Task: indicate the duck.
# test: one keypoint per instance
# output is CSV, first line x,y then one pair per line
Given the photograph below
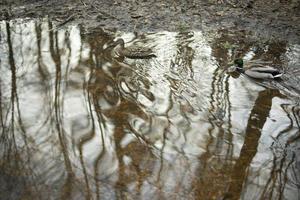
x,y
255,70
118,50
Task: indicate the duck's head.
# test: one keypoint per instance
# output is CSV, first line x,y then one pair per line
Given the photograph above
x,y
236,65
119,43
239,63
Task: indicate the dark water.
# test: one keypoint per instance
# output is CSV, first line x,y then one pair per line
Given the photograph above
x,y
77,124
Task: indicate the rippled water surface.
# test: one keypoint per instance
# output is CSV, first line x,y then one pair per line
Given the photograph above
x,y
79,124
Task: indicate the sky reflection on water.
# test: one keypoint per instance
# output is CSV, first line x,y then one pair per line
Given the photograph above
x,y
77,124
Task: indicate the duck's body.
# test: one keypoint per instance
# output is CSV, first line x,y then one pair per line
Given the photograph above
x,y
119,50
257,70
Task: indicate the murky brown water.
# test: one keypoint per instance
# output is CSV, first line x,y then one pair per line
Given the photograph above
x,y
77,124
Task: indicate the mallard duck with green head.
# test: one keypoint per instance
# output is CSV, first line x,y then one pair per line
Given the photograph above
x,y
118,50
258,70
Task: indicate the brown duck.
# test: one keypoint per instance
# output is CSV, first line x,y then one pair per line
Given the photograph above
x,y
118,50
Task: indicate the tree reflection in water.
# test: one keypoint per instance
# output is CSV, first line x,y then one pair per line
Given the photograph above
x,y
78,124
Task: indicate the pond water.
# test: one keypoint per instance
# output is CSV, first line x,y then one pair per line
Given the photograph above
x,y
78,124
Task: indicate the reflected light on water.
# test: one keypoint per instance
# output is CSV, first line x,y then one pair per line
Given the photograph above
x,y
78,124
